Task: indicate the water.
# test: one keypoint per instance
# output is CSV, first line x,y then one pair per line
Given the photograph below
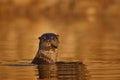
x,y
89,34
58,71
96,48
63,71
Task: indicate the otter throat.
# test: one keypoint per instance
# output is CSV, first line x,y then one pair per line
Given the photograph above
x,y
49,56
45,57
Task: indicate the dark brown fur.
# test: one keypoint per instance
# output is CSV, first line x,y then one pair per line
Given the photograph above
x,y
47,52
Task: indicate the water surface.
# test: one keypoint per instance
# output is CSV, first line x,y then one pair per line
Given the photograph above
x,y
89,33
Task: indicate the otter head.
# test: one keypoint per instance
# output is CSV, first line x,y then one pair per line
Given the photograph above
x,y
47,52
48,41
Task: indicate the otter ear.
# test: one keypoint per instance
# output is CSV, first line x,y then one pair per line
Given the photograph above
x,y
39,37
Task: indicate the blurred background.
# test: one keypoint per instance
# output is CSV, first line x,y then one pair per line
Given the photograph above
x,y
88,31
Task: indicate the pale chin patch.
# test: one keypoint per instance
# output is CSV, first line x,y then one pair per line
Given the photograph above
x,y
49,56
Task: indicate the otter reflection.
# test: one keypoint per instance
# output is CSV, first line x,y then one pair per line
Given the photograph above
x,y
63,71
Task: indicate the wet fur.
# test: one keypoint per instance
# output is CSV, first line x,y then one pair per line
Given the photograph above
x,y
47,52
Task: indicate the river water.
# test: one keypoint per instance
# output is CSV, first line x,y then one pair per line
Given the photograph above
x,y
95,44
89,40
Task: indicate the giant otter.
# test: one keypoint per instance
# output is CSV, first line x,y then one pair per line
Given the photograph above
x,y
47,52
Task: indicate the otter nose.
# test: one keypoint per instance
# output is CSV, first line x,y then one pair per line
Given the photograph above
x,y
48,40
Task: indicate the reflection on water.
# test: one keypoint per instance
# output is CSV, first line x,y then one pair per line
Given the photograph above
x,y
63,71
58,71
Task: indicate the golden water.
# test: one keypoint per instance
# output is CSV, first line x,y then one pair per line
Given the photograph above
x,y
89,33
